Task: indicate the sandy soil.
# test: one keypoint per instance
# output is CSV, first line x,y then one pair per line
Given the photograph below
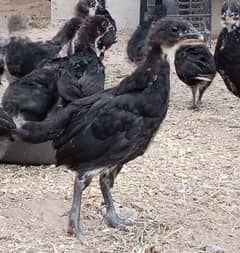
x,y
38,11
184,193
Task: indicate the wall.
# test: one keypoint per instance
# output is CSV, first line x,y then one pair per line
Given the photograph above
x,y
216,12
125,12
61,10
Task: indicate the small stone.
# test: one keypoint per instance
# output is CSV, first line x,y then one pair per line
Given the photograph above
x,y
213,248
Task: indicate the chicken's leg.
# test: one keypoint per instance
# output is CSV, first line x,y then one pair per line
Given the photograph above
x,y
202,89
80,185
194,91
111,217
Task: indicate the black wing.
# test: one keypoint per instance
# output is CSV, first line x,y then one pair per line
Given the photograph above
x,y
6,123
106,134
136,44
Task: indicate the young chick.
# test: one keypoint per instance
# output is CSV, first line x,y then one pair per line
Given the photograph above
x,y
84,73
195,66
98,7
97,135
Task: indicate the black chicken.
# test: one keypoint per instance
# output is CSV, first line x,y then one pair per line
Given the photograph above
x,y
227,52
195,66
83,73
33,96
100,133
98,7
136,44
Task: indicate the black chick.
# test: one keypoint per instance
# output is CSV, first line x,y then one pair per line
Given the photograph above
x,y
100,133
84,73
32,97
98,7
22,55
136,44
227,52
195,66
6,127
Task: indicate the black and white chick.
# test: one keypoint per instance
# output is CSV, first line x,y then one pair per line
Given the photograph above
x,y
110,37
195,67
81,74
136,44
227,52
97,135
98,7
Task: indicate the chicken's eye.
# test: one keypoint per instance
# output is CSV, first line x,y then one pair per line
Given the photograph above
x,y
175,29
104,24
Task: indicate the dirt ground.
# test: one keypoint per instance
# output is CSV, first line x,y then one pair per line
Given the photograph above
x,y
37,11
184,193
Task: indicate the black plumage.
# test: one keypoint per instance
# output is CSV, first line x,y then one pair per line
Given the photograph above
x,y
227,52
23,55
31,97
136,44
84,73
195,66
1,69
6,127
100,133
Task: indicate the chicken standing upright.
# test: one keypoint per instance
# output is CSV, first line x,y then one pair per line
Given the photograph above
x,y
195,66
97,135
